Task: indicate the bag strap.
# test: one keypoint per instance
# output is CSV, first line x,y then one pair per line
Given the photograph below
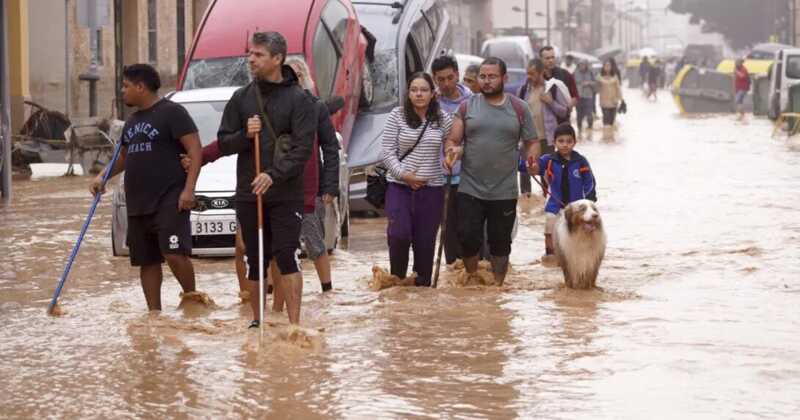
x,y
264,115
408,152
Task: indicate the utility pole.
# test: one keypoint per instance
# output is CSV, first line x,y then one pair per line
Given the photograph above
x,y
548,22
527,26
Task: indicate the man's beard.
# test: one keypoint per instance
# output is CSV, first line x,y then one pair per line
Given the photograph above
x,y
493,92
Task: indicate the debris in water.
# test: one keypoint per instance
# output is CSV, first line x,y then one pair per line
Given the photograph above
x,y
57,311
299,336
381,279
482,277
199,297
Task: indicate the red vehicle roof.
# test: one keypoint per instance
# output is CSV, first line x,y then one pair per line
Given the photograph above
x,y
218,36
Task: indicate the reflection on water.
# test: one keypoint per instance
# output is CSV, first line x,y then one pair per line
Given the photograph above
x,y
697,316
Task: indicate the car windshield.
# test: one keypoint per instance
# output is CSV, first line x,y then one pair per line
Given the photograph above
x,y
507,51
206,116
378,21
219,72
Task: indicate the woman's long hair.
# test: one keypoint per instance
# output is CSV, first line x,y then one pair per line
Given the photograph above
x,y
412,119
612,72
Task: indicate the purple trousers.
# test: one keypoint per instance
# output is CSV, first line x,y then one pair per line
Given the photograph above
x,y
413,221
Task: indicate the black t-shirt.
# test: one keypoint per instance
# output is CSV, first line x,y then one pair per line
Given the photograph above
x,y
152,165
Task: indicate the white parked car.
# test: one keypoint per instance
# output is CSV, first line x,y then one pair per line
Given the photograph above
x,y
214,222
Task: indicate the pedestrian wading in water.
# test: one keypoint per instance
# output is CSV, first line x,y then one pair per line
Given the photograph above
x,y
412,150
286,140
485,136
569,178
159,193
610,92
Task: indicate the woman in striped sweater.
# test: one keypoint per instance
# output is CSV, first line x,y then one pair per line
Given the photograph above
x,y
412,153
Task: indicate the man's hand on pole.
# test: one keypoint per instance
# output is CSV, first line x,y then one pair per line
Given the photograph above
x,y
261,183
253,126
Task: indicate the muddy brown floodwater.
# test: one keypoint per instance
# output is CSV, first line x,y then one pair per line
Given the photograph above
x,y
698,316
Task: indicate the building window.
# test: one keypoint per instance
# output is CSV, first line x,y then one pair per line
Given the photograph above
x,y
98,46
181,33
152,24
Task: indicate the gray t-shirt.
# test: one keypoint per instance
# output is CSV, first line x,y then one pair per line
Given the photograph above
x,y
491,148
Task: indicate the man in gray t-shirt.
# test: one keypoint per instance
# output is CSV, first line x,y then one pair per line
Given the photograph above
x,y
485,135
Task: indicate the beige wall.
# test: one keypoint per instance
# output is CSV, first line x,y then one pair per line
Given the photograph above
x,y
46,32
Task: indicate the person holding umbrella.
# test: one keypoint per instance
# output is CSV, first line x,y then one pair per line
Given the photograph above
x,y
274,111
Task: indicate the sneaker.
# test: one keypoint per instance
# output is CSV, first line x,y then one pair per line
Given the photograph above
x,y
254,324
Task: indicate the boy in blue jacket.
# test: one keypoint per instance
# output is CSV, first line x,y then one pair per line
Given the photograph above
x,y
568,177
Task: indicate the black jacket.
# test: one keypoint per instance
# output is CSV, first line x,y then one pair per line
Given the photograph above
x,y
329,144
291,112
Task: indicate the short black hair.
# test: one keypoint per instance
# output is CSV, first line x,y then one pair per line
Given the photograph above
x,y
564,129
494,61
273,41
443,62
473,68
144,74
546,48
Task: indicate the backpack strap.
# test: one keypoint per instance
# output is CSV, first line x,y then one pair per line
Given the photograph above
x,y
519,109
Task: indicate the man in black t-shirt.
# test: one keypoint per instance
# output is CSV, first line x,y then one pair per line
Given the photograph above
x,y
292,118
158,192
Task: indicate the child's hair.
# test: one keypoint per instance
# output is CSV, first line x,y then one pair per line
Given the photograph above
x,y
564,129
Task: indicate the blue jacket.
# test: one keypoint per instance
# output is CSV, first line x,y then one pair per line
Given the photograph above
x,y
571,178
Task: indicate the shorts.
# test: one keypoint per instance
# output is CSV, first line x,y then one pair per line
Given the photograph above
x,y
549,223
499,217
167,231
312,231
740,96
282,225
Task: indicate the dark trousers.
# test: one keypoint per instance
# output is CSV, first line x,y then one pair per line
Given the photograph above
x,y
413,221
585,112
499,217
452,248
609,115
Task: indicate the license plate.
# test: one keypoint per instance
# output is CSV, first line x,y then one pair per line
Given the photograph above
x,y
213,226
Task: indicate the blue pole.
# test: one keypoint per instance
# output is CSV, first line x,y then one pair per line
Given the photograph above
x,y
83,230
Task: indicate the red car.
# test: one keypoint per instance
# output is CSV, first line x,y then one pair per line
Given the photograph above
x,y
326,34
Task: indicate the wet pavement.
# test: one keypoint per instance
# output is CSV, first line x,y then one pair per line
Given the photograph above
x,y
696,316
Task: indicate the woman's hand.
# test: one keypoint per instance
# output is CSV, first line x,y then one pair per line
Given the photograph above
x,y
413,180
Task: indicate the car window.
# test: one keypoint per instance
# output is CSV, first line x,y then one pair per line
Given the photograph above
x,y
423,39
216,72
206,116
326,61
335,16
509,52
793,66
379,20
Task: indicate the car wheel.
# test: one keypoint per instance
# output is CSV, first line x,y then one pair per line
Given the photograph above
x,y
367,87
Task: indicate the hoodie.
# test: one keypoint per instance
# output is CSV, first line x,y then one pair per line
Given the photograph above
x,y
291,112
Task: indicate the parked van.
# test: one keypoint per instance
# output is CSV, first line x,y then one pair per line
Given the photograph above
x,y
408,37
516,52
326,34
784,74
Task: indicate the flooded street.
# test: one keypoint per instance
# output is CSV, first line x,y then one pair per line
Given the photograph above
x,y
697,316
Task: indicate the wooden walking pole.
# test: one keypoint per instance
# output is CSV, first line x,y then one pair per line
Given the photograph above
x,y
259,209
443,229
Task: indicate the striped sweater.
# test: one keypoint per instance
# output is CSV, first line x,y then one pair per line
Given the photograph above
x,y
426,159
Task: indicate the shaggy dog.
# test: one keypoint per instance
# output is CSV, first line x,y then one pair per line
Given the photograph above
x,y
580,243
